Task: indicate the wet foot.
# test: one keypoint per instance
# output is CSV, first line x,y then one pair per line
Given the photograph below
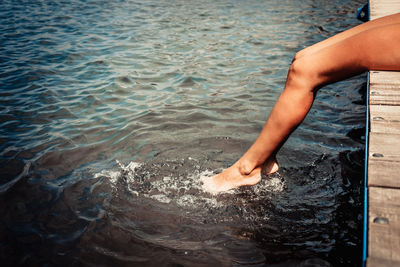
x,y
236,176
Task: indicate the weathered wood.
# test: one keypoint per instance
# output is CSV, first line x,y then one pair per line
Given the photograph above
x,y
384,88
385,119
380,8
384,157
384,160
384,77
384,223
378,262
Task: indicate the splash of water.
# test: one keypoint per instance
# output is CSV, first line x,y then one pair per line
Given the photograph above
x,y
180,183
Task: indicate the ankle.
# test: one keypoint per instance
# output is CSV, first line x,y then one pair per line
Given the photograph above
x,y
245,167
270,166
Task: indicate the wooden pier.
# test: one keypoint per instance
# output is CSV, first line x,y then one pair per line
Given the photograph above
x,y
384,157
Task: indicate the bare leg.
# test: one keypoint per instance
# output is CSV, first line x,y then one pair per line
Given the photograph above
x,y
384,21
374,48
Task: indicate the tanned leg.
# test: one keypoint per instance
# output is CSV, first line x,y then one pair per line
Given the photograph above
x,y
375,48
384,21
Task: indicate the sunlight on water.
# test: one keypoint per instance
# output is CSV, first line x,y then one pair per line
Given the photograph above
x,y
111,113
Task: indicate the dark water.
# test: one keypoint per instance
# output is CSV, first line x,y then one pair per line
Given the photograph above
x,y
111,111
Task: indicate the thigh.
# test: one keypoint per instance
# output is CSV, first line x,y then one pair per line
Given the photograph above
x,y
374,49
382,48
384,21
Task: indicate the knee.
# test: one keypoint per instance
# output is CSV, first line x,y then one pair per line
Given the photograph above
x,y
300,54
302,73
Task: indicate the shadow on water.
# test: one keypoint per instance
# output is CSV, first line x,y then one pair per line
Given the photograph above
x,y
174,90
156,213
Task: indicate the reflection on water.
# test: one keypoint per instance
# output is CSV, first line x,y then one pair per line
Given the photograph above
x,y
111,111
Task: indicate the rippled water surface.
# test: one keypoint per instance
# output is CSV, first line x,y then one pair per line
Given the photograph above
x,y
111,111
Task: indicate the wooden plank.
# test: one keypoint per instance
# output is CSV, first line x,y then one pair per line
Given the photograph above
x,y
385,119
384,223
384,77
384,160
380,8
384,88
378,262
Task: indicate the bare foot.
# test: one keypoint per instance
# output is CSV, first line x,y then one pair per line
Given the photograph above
x,y
237,175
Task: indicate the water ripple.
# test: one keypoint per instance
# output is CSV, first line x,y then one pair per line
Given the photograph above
x,y
183,88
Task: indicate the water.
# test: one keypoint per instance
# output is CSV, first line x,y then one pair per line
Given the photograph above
x,y
111,111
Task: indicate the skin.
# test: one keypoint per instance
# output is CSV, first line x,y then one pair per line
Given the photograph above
x,y
370,46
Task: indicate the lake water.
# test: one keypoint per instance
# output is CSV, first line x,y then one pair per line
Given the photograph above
x,y
111,111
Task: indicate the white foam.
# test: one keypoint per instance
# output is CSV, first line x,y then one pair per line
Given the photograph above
x,y
275,184
131,167
114,175
161,198
183,191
